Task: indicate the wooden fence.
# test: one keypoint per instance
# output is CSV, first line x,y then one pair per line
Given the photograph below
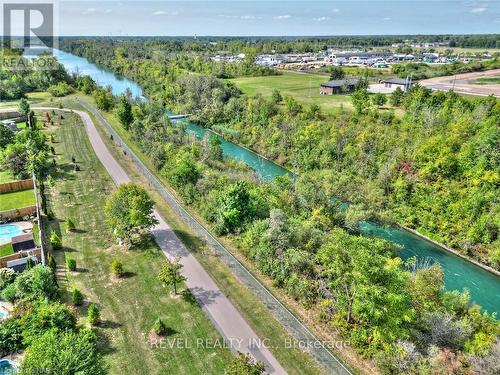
x,y
17,213
9,187
9,115
20,255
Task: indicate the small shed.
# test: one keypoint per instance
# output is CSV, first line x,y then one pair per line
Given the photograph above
x,y
338,86
393,83
23,242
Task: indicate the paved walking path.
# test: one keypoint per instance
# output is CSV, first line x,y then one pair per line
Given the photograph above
x,y
228,321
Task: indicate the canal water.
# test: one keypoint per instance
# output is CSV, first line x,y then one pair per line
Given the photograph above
x,y
484,286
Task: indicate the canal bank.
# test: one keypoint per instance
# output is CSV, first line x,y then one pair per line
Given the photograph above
x,y
459,273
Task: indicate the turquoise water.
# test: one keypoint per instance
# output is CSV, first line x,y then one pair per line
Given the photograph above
x,y
7,231
3,314
7,368
484,286
103,77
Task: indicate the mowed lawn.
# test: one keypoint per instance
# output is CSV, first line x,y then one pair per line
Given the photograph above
x,y
17,199
303,87
131,305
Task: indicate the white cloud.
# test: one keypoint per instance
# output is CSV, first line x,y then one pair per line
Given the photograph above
x,y
90,10
284,17
321,19
336,10
478,10
165,13
387,18
247,17
108,11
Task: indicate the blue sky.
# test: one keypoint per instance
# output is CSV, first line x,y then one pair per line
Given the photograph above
x,y
293,17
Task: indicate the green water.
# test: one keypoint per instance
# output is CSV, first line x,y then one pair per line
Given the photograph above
x,y
484,286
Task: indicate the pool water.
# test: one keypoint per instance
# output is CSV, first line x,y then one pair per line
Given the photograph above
x,y
7,368
7,231
3,314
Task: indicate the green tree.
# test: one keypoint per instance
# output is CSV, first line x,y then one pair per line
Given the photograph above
x,y
397,97
36,283
6,136
93,314
159,327
360,100
379,99
77,297
336,72
276,96
103,99
170,274
24,107
370,290
233,208
129,211
124,111
243,364
215,147
117,268
71,264
44,317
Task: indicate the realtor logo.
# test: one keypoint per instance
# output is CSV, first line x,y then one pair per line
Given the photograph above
x,y
29,25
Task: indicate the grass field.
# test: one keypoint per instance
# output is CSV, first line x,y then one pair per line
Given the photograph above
x,y
303,87
265,325
487,81
5,176
6,249
129,306
17,199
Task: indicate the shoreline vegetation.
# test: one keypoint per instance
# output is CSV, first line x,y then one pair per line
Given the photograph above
x,y
292,233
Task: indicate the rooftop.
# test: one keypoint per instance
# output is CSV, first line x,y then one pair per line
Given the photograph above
x,y
341,82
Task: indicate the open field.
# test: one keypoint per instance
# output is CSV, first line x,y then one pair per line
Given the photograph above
x,y
17,199
303,87
130,305
464,83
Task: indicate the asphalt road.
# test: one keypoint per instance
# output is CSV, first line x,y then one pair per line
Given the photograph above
x,y
228,321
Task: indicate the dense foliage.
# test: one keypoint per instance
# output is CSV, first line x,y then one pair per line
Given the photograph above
x,y
434,168
19,75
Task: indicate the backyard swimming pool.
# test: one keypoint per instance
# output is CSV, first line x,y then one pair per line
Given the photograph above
x,y
7,231
7,368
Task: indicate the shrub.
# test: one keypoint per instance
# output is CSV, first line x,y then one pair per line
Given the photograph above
x,y
70,225
159,327
71,264
47,316
93,314
9,293
11,339
77,297
117,268
55,241
36,283
52,263
7,276
69,352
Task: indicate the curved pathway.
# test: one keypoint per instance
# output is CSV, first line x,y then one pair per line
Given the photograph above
x,y
228,321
